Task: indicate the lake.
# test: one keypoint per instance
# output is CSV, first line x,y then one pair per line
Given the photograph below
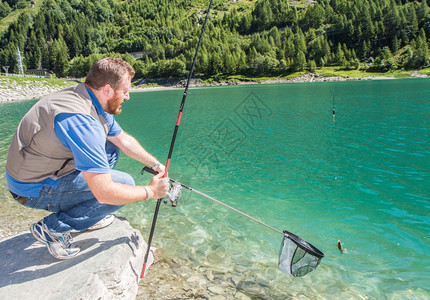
x,y
277,153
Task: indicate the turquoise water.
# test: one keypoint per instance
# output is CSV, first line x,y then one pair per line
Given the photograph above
x,y
275,153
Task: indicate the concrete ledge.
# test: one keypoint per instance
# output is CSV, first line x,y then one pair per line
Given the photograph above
x,y
108,266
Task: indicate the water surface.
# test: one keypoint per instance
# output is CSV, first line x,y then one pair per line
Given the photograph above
x,y
275,153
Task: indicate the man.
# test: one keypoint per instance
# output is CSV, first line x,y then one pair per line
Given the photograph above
x,y
62,156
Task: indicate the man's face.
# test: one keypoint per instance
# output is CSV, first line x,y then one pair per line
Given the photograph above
x,y
120,95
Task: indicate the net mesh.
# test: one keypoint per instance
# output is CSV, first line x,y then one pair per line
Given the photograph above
x,y
296,256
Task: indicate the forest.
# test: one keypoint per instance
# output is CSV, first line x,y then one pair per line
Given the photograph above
x,y
253,38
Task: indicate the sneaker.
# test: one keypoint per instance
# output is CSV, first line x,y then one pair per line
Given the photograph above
x,y
106,221
59,244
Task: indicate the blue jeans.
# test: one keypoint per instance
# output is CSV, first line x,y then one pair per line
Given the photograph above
x,y
72,203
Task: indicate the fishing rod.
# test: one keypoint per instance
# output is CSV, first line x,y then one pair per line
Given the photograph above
x,y
172,143
297,257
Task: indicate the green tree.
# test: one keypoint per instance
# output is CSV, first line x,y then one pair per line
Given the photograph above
x,y
262,15
202,61
245,23
175,68
395,45
276,37
215,64
139,67
300,42
300,61
314,16
420,56
312,66
34,56
229,63
318,48
73,40
423,12
388,60
60,57
339,57
288,45
242,66
4,9
8,57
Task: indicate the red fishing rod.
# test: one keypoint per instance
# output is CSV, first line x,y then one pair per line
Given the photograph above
x,y
172,144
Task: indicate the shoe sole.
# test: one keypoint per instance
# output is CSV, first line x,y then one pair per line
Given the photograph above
x,y
36,235
111,219
39,239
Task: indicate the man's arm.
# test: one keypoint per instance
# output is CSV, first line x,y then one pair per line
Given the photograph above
x,y
132,148
106,191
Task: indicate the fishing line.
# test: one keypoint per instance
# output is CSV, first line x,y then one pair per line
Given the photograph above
x,y
334,110
172,144
149,170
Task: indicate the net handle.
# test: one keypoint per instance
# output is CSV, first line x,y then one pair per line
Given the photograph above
x,y
149,170
296,239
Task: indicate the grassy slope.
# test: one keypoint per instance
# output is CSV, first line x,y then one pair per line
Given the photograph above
x,y
326,72
9,81
333,71
6,21
5,81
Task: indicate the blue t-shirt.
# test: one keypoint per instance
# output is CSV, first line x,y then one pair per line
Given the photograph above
x,y
85,137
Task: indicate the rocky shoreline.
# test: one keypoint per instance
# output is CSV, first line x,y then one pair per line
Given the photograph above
x,y
106,268
11,90
29,89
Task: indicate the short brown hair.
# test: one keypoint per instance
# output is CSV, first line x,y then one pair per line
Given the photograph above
x,y
108,70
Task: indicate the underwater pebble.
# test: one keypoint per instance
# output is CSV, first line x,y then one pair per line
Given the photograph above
x,y
216,290
241,296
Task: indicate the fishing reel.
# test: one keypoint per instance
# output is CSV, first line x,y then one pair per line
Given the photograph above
x,y
174,193
175,188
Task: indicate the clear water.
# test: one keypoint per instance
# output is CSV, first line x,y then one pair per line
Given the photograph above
x,y
275,153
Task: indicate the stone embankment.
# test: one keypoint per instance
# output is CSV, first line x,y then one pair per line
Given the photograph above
x,y
11,90
30,89
108,266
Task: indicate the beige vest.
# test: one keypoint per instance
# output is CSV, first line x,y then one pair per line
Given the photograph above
x,y
35,153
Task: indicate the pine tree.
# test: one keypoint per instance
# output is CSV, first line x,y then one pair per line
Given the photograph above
x,y
242,67
300,61
300,42
420,55
314,16
60,57
202,62
340,55
394,45
312,66
34,53
245,24
4,9
215,64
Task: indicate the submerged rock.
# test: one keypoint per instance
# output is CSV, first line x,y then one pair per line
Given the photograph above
x,y
108,266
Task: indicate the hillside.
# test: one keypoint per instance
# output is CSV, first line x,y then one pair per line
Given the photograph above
x,y
9,15
249,38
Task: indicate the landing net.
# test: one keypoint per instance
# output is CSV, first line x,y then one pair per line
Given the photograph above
x,y
296,256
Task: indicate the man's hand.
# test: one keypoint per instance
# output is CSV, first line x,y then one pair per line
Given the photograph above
x,y
159,186
159,167
106,191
